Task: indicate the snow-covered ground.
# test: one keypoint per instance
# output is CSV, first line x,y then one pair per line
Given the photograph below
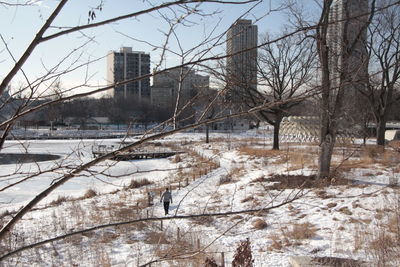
x,y
323,221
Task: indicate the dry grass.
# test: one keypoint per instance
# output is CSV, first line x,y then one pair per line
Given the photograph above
x,y
259,152
372,154
104,259
176,248
300,160
394,224
381,242
58,201
384,249
365,156
107,237
206,220
196,166
123,213
300,231
261,179
303,181
156,238
233,175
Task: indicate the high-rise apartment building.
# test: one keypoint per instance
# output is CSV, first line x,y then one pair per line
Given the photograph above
x,y
346,40
241,64
127,64
348,57
167,84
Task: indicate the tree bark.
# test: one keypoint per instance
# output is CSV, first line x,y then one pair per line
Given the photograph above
x,y
380,131
277,126
207,133
325,156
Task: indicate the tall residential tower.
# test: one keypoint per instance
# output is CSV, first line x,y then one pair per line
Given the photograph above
x,y
241,65
347,36
127,64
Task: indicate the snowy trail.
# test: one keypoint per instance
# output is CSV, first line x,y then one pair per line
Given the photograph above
x,y
197,198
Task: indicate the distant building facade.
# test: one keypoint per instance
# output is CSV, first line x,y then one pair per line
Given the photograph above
x,y
127,64
166,86
348,32
241,65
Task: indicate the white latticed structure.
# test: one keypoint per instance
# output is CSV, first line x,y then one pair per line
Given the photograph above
x,y
306,129
299,129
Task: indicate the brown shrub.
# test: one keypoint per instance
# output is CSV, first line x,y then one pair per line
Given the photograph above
x,y
237,217
236,172
226,179
247,199
210,262
259,224
345,210
259,180
276,243
384,250
176,159
243,255
138,183
89,193
331,205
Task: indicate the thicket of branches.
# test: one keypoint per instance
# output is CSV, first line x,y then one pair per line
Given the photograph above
x,y
285,69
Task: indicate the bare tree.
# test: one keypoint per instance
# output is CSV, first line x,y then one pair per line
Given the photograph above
x,y
384,54
339,68
285,68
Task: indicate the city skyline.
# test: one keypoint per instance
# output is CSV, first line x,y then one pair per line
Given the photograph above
x,y
97,42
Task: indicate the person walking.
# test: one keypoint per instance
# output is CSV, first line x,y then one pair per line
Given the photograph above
x,y
167,197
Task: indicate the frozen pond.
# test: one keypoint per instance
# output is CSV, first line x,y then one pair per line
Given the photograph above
x,y
62,157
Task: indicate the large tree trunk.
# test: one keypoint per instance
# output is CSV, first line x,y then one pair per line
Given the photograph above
x,y
277,126
380,130
325,156
207,133
327,141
